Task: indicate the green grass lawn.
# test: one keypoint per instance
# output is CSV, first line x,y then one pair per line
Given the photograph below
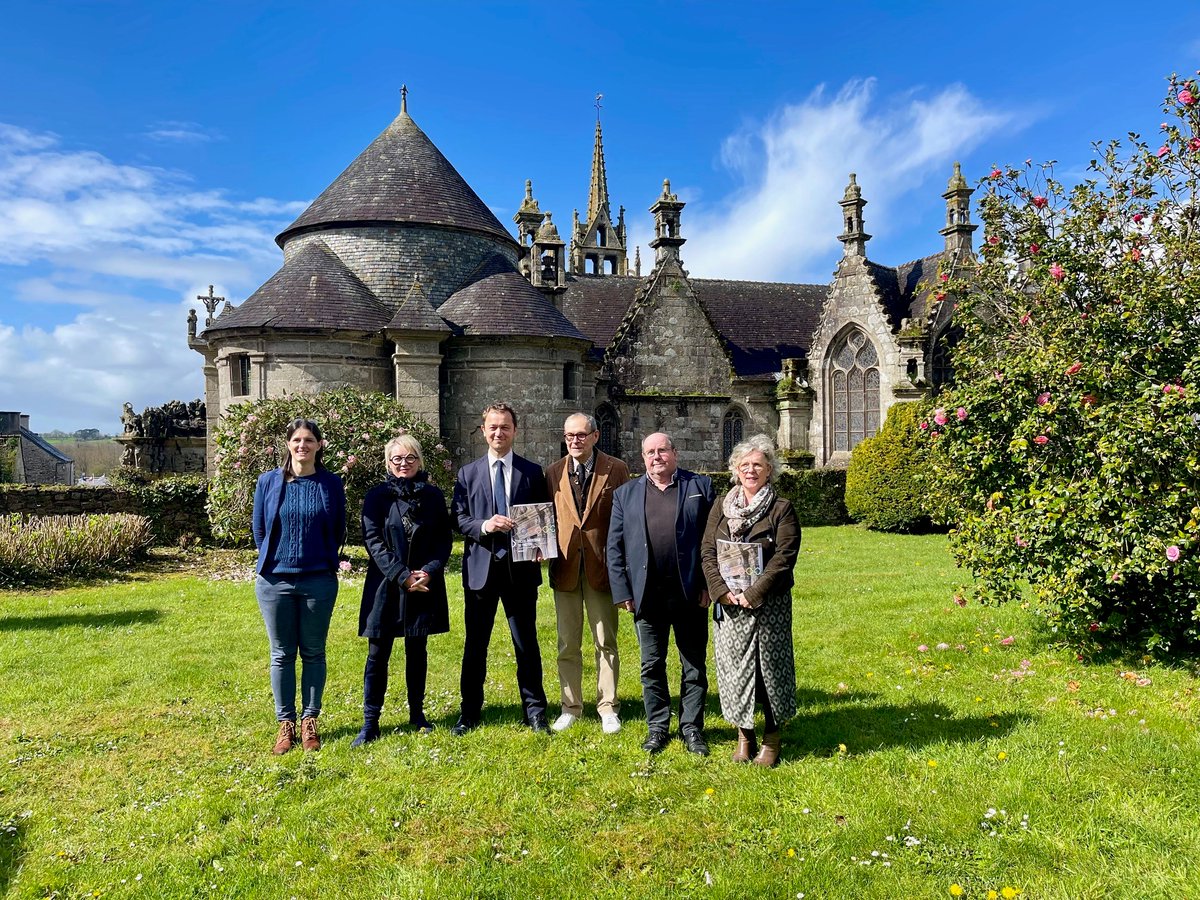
x,y
136,723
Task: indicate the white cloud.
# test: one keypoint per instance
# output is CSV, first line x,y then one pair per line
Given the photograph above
x,y
129,246
185,132
794,167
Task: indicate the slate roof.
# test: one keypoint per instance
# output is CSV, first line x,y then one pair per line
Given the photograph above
x,y
313,289
901,298
401,178
44,445
416,313
760,322
500,301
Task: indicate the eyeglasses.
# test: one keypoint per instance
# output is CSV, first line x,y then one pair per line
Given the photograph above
x,y
572,437
404,460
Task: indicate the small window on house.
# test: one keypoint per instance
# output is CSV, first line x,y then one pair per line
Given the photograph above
x,y
733,426
239,367
570,381
610,427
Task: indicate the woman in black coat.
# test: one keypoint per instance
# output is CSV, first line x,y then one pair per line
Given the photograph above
x,y
406,529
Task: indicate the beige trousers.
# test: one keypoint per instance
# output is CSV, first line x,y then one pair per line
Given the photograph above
x,y
602,615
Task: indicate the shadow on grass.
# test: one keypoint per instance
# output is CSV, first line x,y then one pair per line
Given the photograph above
x,y
12,843
395,718
79,620
858,720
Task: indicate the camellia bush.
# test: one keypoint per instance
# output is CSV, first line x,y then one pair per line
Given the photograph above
x,y
356,426
1068,450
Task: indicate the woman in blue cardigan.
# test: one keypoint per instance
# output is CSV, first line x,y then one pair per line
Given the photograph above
x,y
407,532
299,525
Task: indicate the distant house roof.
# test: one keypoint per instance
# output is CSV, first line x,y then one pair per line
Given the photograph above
x,y
45,446
313,289
760,322
499,300
401,178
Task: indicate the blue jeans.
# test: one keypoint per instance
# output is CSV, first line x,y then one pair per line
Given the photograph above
x,y
296,610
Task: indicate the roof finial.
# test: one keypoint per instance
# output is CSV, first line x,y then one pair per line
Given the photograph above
x,y
599,97
404,98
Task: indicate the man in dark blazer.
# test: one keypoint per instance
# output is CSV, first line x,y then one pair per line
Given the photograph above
x,y
485,491
654,570
582,485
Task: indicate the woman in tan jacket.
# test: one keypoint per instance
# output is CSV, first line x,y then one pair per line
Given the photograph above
x,y
752,606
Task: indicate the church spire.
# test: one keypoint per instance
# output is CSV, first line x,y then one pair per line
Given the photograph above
x,y
597,246
598,192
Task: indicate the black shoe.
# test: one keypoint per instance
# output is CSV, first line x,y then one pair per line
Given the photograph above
x,y
693,739
657,741
464,725
421,725
369,733
538,724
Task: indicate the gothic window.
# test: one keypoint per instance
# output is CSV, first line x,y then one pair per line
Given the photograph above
x,y
733,426
239,368
570,381
600,236
943,357
610,429
854,387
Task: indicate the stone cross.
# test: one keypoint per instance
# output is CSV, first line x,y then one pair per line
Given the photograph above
x,y
404,98
210,303
599,97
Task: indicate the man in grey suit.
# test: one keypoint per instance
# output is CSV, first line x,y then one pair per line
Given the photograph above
x,y
654,569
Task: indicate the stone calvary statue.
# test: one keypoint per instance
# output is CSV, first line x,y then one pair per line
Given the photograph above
x,y
164,439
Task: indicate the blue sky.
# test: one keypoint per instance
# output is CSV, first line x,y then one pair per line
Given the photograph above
x,y
150,149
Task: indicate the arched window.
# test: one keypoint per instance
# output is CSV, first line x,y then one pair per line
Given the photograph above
x,y
733,427
943,357
610,431
854,388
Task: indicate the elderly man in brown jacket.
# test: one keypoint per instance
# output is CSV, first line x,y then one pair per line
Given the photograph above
x,y
581,485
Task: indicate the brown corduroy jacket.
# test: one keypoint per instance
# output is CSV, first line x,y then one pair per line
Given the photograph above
x,y
586,534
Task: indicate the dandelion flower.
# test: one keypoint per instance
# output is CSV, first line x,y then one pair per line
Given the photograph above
x,y
1001,756
956,890
932,764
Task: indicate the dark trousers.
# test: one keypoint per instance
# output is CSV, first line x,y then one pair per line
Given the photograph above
x,y
520,608
690,624
375,675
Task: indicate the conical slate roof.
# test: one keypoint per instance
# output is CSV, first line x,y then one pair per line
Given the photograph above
x,y
501,301
401,178
313,289
416,313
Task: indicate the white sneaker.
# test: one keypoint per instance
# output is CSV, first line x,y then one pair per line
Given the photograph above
x,y
610,723
565,721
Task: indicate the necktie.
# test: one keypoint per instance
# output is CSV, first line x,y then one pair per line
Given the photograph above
x,y
498,493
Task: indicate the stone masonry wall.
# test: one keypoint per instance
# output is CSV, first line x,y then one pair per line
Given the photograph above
x,y
47,500
387,259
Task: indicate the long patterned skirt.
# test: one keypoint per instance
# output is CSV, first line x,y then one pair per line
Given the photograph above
x,y
747,641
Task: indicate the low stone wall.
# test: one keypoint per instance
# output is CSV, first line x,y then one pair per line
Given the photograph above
x,y
168,521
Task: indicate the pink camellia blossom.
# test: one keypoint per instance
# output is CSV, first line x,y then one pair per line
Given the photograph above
x,y
1173,553
1043,398
922,648
1034,248
1187,98
944,277
939,296
1021,542
960,600
939,416
1137,217
924,426
1039,201
1041,439
1135,254
1025,319
993,240
999,376
344,566
1056,272
933,434
1095,626
1008,641
942,646
961,413
1194,143
269,449
1163,151
1074,368
996,173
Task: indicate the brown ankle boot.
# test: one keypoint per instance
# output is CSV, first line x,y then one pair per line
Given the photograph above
x,y
745,746
308,734
768,754
286,739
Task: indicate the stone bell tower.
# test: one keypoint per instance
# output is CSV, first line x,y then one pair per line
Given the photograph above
x,y
597,245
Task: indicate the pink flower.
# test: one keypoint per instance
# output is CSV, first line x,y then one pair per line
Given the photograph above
x,y
1034,248
942,646
1095,626
237,465
1043,398
961,413
939,416
1021,542
1039,201
1135,254
1025,320
996,173
268,449
922,649
1008,641
1056,272
999,376
1194,143
1187,98
924,426
939,296
344,566
1041,439
1074,368
1163,151
960,599
1088,399
1173,553
993,240
944,277
1137,217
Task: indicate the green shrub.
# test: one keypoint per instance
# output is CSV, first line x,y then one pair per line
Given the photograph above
x,y
356,426
175,504
37,548
884,484
817,495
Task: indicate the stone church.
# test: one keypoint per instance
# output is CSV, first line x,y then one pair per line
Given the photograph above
x,y
398,278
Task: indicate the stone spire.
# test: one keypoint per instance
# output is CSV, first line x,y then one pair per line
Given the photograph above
x,y
854,237
528,216
667,239
959,227
597,246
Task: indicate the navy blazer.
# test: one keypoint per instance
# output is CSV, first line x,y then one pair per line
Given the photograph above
x,y
629,547
268,497
473,505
